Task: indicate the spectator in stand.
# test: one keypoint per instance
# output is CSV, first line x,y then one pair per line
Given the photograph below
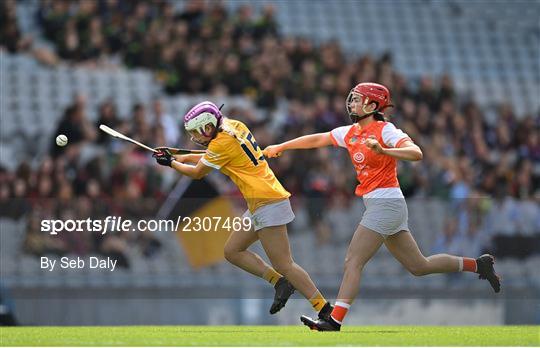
x,y
11,37
76,127
202,49
168,125
140,128
109,117
448,241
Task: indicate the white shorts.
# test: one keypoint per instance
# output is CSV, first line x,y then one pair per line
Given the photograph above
x,y
274,214
385,216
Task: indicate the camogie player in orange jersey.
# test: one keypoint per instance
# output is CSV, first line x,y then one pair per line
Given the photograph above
x,y
232,149
374,147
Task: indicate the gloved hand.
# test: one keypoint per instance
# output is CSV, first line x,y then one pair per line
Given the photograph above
x,y
163,157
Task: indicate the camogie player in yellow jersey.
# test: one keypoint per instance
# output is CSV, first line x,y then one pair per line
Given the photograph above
x,y
232,149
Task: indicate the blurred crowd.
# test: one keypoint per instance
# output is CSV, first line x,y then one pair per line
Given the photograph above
x,y
118,182
193,50
11,37
13,40
485,162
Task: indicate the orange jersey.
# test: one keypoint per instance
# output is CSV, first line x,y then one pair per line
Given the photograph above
x,y
236,154
373,170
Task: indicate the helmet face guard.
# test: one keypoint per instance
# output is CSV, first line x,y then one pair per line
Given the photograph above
x,y
198,118
197,128
367,93
364,100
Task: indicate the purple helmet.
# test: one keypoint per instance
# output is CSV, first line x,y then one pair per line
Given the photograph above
x,y
202,114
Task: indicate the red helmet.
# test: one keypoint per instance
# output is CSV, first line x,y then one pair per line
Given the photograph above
x,y
369,92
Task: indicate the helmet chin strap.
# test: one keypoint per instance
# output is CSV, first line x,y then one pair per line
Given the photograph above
x,y
356,118
202,143
360,118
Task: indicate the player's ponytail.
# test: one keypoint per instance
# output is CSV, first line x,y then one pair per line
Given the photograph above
x,y
379,116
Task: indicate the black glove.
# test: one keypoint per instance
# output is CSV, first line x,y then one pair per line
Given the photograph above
x,y
163,157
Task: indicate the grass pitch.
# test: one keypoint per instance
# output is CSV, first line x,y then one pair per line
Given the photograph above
x,y
270,336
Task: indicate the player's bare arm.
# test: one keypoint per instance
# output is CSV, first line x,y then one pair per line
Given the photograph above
x,y
304,142
197,171
407,151
189,158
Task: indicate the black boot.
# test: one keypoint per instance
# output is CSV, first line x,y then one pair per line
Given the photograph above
x,y
325,312
284,290
484,267
321,324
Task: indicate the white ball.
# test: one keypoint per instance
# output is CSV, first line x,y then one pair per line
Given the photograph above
x,y
61,140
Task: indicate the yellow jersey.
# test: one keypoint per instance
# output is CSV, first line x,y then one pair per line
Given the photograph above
x,y
236,154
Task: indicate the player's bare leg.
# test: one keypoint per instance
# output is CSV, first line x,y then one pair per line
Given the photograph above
x,y
276,245
363,246
404,248
236,252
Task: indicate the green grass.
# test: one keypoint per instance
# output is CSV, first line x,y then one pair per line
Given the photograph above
x,y
270,336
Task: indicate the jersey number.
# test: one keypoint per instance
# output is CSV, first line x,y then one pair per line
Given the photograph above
x,y
248,152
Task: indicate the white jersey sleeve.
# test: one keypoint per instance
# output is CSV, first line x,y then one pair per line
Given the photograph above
x,y
338,135
393,137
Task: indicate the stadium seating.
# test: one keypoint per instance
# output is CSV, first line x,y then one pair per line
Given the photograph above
x,y
425,38
495,49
